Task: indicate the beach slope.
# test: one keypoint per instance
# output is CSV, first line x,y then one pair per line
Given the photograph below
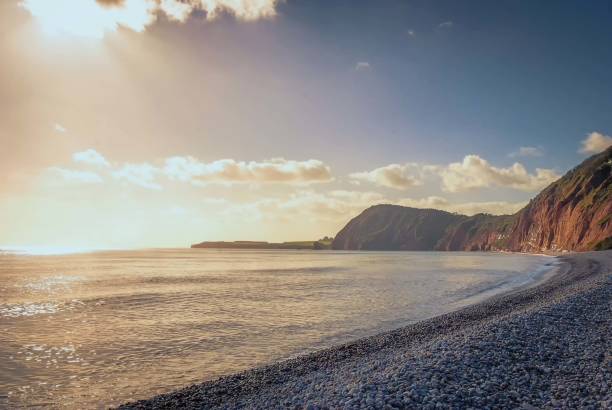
x,y
543,346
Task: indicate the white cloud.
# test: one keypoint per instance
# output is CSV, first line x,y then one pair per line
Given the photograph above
x,y
88,18
446,25
276,170
142,175
59,128
76,176
334,206
339,206
595,143
242,9
475,172
176,10
224,171
491,207
215,201
527,152
433,202
465,208
411,33
363,66
394,176
90,156
472,173
175,211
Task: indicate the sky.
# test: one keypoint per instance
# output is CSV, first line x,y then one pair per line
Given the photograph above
x,y
150,123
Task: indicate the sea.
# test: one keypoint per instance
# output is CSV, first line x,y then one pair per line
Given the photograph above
x,y
97,329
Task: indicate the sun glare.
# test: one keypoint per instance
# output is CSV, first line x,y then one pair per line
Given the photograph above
x,y
95,18
45,250
88,18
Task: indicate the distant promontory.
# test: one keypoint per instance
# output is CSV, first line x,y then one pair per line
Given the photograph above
x,y
324,243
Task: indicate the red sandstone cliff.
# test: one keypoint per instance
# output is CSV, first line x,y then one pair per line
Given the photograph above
x,y
572,213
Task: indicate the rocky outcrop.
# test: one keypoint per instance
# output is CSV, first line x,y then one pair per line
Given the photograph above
x,y
572,214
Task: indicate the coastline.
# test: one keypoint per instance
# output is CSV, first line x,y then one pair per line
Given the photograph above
x,y
518,348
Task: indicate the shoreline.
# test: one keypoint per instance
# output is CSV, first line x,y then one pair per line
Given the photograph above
x,y
415,364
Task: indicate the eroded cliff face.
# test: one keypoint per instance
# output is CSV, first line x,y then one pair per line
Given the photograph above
x,y
572,214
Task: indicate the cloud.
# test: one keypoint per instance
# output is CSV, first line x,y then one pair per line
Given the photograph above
x,y
595,143
76,176
215,201
142,175
175,210
86,18
433,202
491,207
472,173
224,171
339,206
334,206
475,172
363,66
276,170
527,152
175,10
59,128
465,208
411,33
242,9
394,176
446,25
91,157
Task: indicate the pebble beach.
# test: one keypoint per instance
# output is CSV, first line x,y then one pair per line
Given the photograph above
x,y
545,346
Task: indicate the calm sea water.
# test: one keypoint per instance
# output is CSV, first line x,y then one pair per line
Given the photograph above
x,y
93,330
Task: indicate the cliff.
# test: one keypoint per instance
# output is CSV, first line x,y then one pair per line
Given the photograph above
x,y
572,214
